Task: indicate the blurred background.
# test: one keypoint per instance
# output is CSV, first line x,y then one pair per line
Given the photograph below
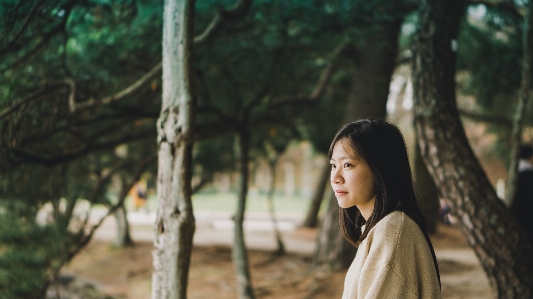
x,y
80,98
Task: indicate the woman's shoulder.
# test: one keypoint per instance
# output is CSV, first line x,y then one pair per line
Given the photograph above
x,y
395,224
395,218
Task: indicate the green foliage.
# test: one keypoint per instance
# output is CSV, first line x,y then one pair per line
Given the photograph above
x,y
490,50
215,154
278,51
51,155
489,58
28,251
48,152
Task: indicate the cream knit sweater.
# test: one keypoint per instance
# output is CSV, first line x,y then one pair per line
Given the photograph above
x,y
394,261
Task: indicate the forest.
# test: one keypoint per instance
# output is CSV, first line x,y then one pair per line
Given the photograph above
x,y
99,97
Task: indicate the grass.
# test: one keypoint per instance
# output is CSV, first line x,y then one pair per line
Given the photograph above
x,y
294,206
256,202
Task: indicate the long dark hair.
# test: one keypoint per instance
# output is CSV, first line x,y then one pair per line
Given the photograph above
x,y
382,146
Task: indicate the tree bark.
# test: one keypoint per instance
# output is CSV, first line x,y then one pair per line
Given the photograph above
x,y
368,98
270,198
123,228
333,252
521,107
240,255
375,63
503,249
311,220
428,195
175,224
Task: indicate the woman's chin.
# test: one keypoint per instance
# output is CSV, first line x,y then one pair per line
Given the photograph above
x,y
343,204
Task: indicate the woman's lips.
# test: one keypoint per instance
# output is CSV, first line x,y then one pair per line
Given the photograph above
x,y
340,192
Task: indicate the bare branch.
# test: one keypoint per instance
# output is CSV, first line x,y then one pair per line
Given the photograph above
x,y
319,87
45,39
62,158
116,97
122,196
266,88
203,181
221,17
36,95
86,236
23,28
494,119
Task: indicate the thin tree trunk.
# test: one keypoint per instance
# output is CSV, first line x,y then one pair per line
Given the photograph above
x,y
368,98
175,225
240,255
311,220
270,198
503,249
123,228
521,107
428,195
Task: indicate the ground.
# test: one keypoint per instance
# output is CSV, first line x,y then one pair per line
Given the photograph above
x,y
126,272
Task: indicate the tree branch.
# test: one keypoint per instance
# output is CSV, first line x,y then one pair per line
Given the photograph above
x,y
319,87
494,119
46,38
266,88
222,16
86,235
114,98
62,158
23,28
32,96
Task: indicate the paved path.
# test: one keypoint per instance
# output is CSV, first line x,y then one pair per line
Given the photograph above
x,y
217,229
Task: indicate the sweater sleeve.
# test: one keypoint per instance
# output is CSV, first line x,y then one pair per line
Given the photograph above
x,y
395,262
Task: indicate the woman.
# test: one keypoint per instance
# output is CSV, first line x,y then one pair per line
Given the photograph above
x,y
379,214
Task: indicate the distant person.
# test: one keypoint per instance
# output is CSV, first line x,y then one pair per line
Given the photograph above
x,y
138,195
445,213
379,213
522,205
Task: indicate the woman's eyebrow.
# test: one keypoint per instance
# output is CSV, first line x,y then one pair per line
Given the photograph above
x,y
344,158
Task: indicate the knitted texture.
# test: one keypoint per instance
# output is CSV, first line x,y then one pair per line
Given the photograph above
x,y
394,261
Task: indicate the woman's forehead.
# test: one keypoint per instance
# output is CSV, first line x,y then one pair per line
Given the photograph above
x,y
348,148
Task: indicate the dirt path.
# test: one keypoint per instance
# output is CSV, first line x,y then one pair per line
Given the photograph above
x,y
126,273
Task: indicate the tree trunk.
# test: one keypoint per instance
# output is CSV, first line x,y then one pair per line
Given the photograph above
x,y
333,252
175,225
503,249
521,107
123,228
311,219
428,195
368,98
240,256
270,197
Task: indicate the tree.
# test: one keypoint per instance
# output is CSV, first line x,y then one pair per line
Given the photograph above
x,y
174,227
374,64
523,100
427,192
499,243
53,155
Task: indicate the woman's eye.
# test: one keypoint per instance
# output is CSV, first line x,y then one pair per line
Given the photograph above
x,y
332,166
346,165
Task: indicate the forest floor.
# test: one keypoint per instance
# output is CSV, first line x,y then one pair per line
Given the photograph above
x,y
127,272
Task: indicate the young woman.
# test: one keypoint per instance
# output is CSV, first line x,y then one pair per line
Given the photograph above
x,y
379,213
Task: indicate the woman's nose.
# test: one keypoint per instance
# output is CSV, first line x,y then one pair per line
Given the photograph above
x,y
335,177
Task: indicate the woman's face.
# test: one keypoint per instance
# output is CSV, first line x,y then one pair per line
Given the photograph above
x,y
351,179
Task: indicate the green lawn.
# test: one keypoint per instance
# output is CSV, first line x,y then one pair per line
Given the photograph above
x,y
255,203
226,202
